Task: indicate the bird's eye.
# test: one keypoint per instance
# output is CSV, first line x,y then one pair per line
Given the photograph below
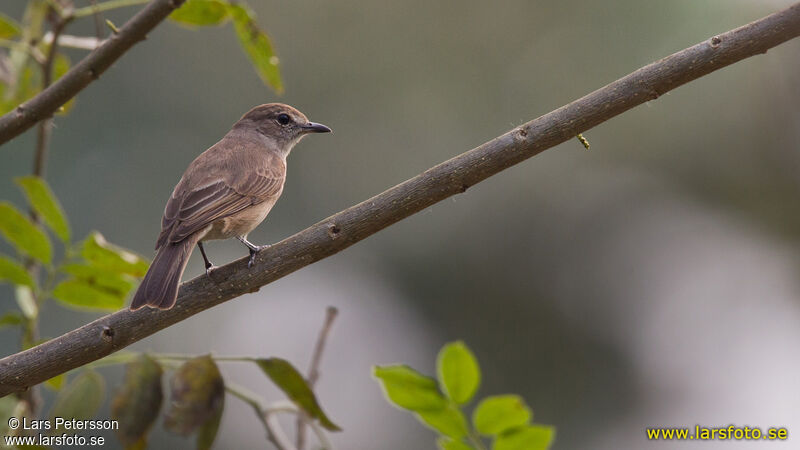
x,y
284,119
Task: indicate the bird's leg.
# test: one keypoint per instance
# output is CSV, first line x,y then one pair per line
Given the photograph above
x,y
253,249
209,266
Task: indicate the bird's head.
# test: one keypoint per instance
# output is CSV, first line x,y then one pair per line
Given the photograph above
x,y
279,123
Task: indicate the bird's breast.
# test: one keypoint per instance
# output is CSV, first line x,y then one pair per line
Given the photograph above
x,y
240,223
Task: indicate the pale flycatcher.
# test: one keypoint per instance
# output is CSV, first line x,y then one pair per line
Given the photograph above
x,y
226,192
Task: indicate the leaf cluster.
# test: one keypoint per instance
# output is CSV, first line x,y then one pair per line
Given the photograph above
x,y
96,275
196,393
438,403
91,274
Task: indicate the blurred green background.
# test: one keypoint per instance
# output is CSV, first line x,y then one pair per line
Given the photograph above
x,y
650,281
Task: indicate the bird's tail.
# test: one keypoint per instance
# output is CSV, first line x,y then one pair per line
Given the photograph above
x,y
159,288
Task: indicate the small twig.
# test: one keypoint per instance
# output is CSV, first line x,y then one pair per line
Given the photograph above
x,y
31,328
286,406
274,431
98,21
313,372
277,432
106,6
473,437
69,41
42,141
46,125
32,51
215,358
112,27
123,357
583,140
282,406
56,7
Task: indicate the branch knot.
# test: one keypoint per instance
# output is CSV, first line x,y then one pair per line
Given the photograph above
x,y
333,230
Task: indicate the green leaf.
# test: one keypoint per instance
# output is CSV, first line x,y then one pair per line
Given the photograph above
x,y
409,389
10,319
9,28
197,395
57,382
500,413
82,295
534,437
26,302
257,45
100,278
289,380
14,272
81,398
100,253
208,432
458,372
44,202
138,400
444,443
23,234
448,421
197,13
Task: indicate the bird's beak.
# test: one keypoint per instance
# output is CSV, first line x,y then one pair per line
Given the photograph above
x,y
312,127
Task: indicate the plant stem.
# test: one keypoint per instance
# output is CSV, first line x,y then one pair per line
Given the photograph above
x,y
215,358
476,440
33,52
56,7
286,406
99,29
105,6
122,357
42,145
274,433
46,125
31,326
313,373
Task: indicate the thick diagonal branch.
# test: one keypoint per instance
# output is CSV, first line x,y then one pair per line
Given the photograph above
x,y
44,104
336,233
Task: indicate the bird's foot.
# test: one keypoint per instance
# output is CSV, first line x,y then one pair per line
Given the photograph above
x,y
254,251
209,266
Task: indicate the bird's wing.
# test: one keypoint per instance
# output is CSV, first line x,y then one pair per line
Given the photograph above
x,y
219,192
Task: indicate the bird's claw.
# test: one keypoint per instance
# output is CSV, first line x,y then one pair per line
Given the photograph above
x,y
254,252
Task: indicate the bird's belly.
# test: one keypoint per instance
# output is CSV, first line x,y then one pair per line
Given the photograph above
x,y
239,224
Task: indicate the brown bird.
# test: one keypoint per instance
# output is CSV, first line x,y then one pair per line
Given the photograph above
x,y
226,192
